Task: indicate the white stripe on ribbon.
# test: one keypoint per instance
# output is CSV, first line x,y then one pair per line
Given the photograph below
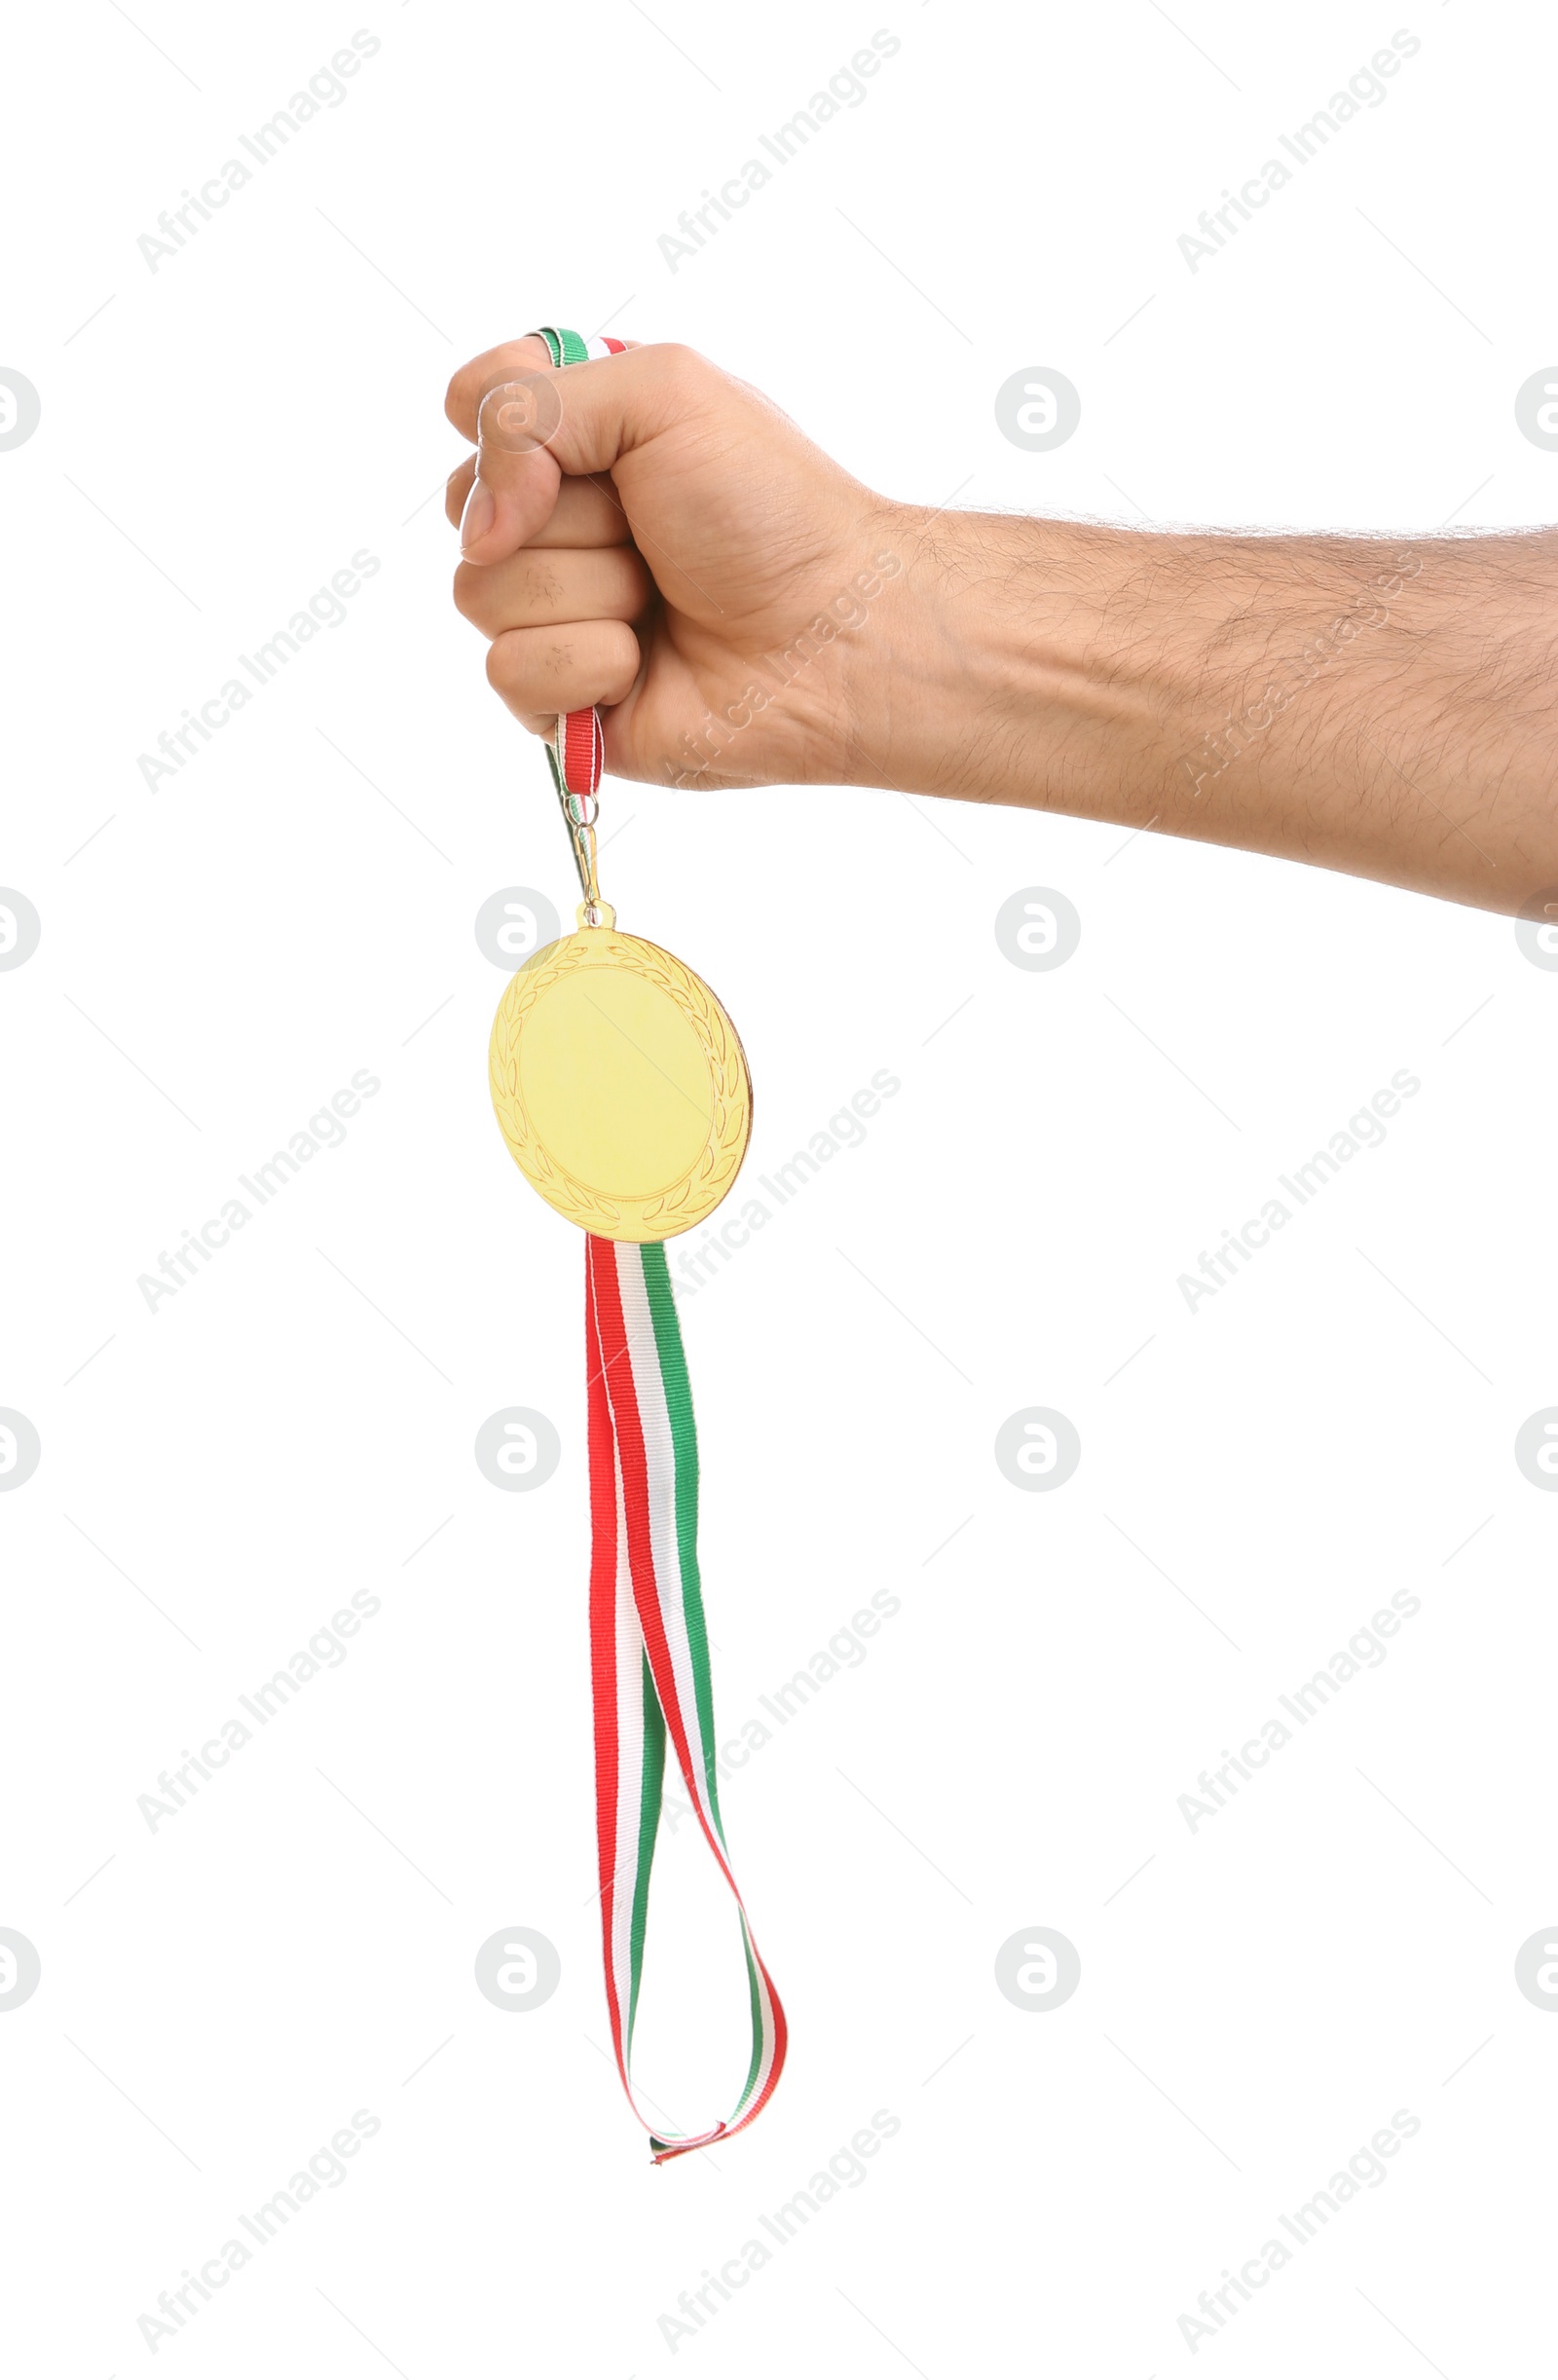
x,y
659,1454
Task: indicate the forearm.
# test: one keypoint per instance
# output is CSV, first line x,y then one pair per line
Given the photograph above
x,y
1385,707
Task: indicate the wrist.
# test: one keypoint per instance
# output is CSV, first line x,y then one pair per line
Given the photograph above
x,y
1004,665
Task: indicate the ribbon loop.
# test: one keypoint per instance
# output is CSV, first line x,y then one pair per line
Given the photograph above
x,y
650,1646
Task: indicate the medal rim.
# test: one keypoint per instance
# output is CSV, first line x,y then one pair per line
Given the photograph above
x,y
694,1196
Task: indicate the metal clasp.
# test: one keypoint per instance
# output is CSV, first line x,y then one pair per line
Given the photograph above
x,y
580,812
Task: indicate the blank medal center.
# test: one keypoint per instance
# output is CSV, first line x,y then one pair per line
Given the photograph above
x,y
615,1082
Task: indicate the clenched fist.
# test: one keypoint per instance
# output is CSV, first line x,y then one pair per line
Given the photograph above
x,y
678,553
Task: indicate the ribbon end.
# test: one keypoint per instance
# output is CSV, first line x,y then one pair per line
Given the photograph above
x,y
662,2151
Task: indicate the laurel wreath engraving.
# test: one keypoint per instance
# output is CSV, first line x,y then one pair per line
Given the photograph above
x,y
701,1188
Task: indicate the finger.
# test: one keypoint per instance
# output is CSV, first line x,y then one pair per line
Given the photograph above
x,y
471,382
457,488
539,588
511,491
589,416
586,512
545,671
515,489
510,401
617,403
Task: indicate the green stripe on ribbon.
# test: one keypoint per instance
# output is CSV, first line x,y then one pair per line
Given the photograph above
x,y
563,346
651,1791
678,1389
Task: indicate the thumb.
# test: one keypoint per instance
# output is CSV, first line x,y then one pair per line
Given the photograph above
x,y
517,406
513,410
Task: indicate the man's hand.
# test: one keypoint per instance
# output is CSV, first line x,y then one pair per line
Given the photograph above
x,y
676,552
745,612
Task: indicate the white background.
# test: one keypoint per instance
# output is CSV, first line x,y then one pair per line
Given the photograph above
x,y
218,957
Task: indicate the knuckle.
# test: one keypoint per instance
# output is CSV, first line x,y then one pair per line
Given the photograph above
x,y
458,405
681,363
467,591
470,384
504,663
529,662
502,669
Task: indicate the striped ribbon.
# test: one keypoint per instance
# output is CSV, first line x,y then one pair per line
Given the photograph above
x,y
649,1646
577,749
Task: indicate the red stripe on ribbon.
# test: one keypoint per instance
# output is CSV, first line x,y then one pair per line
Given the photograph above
x,y
603,1647
617,1378
583,753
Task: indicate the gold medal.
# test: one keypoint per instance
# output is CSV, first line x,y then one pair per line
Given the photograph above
x,y
619,1083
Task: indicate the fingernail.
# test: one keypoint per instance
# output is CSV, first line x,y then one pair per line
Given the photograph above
x,y
477,518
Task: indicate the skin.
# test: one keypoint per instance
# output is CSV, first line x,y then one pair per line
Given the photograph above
x,y
745,612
